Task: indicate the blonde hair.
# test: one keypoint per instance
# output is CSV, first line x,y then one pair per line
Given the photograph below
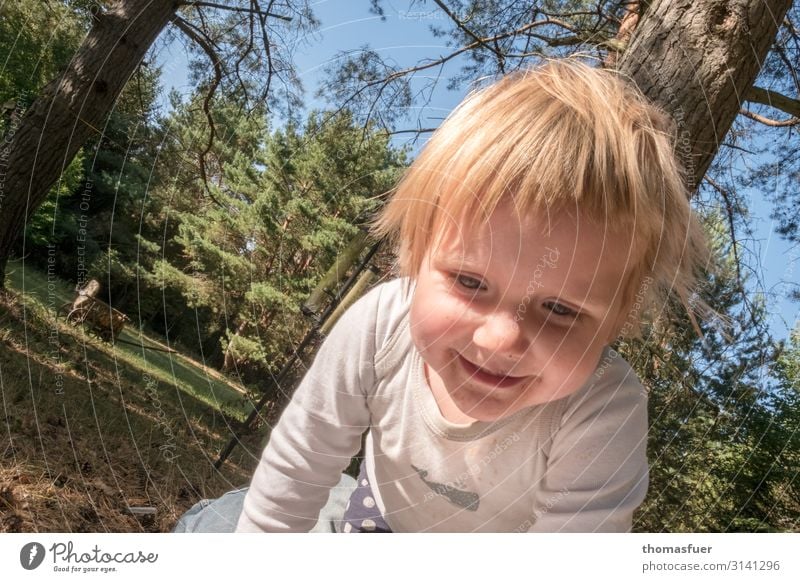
x,y
561,135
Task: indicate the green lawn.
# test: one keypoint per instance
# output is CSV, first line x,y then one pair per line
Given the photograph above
x,y
190,380
93,429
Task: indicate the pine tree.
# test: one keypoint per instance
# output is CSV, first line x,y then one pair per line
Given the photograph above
x,y
709,410
245,248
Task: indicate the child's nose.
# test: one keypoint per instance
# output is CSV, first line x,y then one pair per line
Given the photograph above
x,y
500,332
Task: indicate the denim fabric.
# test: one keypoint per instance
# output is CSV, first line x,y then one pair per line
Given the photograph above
x,y
221,515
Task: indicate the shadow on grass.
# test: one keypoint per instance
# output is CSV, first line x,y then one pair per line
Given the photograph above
x,y
92,430
172,369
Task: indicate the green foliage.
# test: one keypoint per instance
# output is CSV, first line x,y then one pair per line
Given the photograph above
x,y
216,247
37,39
98,212
715,439
47,226
244,247
244,349
782,440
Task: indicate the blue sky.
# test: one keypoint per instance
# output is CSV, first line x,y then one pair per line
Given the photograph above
x,y
405,38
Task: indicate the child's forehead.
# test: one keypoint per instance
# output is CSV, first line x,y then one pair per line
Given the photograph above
x,y
505,222
526,238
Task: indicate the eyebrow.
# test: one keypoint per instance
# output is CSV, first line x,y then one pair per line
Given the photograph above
x,y
464,261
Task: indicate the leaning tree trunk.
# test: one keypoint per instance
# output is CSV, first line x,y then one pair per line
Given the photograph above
x,y
72,108
698,59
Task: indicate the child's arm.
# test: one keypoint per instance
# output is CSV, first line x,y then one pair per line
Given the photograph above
x,y
319,431
597,470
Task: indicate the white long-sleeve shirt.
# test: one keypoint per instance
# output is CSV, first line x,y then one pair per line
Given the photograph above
x,y
573,464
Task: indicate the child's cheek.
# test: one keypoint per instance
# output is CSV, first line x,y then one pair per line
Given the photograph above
x,y
435,319
572,357
428,319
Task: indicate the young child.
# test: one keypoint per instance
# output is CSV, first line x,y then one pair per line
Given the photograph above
x,y
542,221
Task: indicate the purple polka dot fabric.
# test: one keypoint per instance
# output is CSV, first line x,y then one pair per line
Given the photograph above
x,y
362,514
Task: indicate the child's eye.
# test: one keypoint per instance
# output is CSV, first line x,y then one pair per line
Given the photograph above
x,y
469,283
560,310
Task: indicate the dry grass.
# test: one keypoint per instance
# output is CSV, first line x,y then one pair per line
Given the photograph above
x,y
87,435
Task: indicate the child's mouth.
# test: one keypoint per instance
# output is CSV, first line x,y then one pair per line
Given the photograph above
x,y
478,373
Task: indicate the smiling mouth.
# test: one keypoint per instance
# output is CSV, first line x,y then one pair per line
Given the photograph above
x,y
497,381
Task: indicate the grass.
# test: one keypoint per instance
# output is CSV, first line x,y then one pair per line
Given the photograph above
x,y
140,351
90,430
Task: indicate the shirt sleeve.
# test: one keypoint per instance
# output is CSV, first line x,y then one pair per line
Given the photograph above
x,y
319,431
597,472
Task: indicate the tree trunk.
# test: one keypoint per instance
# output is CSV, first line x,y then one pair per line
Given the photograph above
x,y
698,60
72,108
229,363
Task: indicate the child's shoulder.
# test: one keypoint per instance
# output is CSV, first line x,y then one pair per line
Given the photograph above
x,y
614,369
384,309
613,390
387,300
392,294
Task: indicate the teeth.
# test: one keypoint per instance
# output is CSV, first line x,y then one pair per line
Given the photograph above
x,y
486,371
498,374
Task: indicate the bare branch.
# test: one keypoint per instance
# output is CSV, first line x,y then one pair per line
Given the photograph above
x,y
237,9
781,52
417,131
790,25
463,49
386,80
792,121
733,146
498,53
599,12
197,36
626,28
243,54
268,51
774,99
730,212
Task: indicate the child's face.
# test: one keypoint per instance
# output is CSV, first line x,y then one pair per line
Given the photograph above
x,y
508,315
